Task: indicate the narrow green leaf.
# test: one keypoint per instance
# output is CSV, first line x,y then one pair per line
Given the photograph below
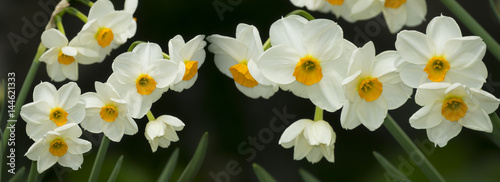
x,y
262,174
307,177
194,165
116,170
33,176
19,176
389,168
99,159
170,166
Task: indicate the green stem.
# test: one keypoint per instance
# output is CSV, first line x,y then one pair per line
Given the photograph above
x,y
132,46
267,44
166,56
150,116
495,135
473,26
411,149
59,24
78,14
99,159
86,2
495,11
318,114
33,172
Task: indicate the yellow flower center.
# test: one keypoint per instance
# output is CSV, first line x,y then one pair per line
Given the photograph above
x,y
58,147
109,113
394,3
59,116
453,109
370,89
65,59
336,2
191,70
242,76
104,37
308,71
145,84
436,68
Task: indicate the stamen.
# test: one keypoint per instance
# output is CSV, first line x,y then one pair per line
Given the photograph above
x,y
436,69
370,89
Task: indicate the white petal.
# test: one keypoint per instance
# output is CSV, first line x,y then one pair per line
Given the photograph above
x,y
321,131
428,116
37,131
45,161
293,131
278,64
249,35
70,71
415,47
100,9
127,67
348,118
36,112
154,129
384,63
69,130
130,125
441,29
430,93
163,72
473,76
328,94
114,131
45,91
477,119
53,38
297,88
35,150
443,132
172,121
413,75
148,51
78,146
417,12
487,102
264,91
69,95
323,39
365,9
372,114
50,56
288,31
192,47
464,51
55,72
92,123
314,155
301,149
77,113
396,94
227,45
395,18
130,6
117,21
73,161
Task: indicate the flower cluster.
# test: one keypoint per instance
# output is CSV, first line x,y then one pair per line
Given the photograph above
x,y
139,79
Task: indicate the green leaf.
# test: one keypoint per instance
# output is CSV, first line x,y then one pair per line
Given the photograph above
x,y
307,177
389,168
19,176
262,174
170,166
116,170
194,165
99,159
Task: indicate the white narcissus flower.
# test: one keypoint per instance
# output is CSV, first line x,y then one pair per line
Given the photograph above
x,y
161,132
309,58
449,107
236,58
141,77
310,139
52,108
61,145
441,55
350,10
372,88
106,28
189,56
62,59
107,112
398,13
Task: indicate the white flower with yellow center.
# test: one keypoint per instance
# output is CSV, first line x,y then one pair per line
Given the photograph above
x,y
441,55
372,88
310,139
107,112
62,145
352,10
449,107
309,58
189,56
236,58
141,77
62,59
106,28
52,108
399,13
162,131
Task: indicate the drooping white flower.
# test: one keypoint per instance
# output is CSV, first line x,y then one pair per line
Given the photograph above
x,y
140,77
399,13
449,107
107,112
106,28
62,145
351,10
52,108
162,131
62,58
189,56
236,58
310,139
309,58
441,55
372,87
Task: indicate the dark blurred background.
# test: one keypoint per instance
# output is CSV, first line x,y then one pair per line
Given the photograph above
x,y
233,120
